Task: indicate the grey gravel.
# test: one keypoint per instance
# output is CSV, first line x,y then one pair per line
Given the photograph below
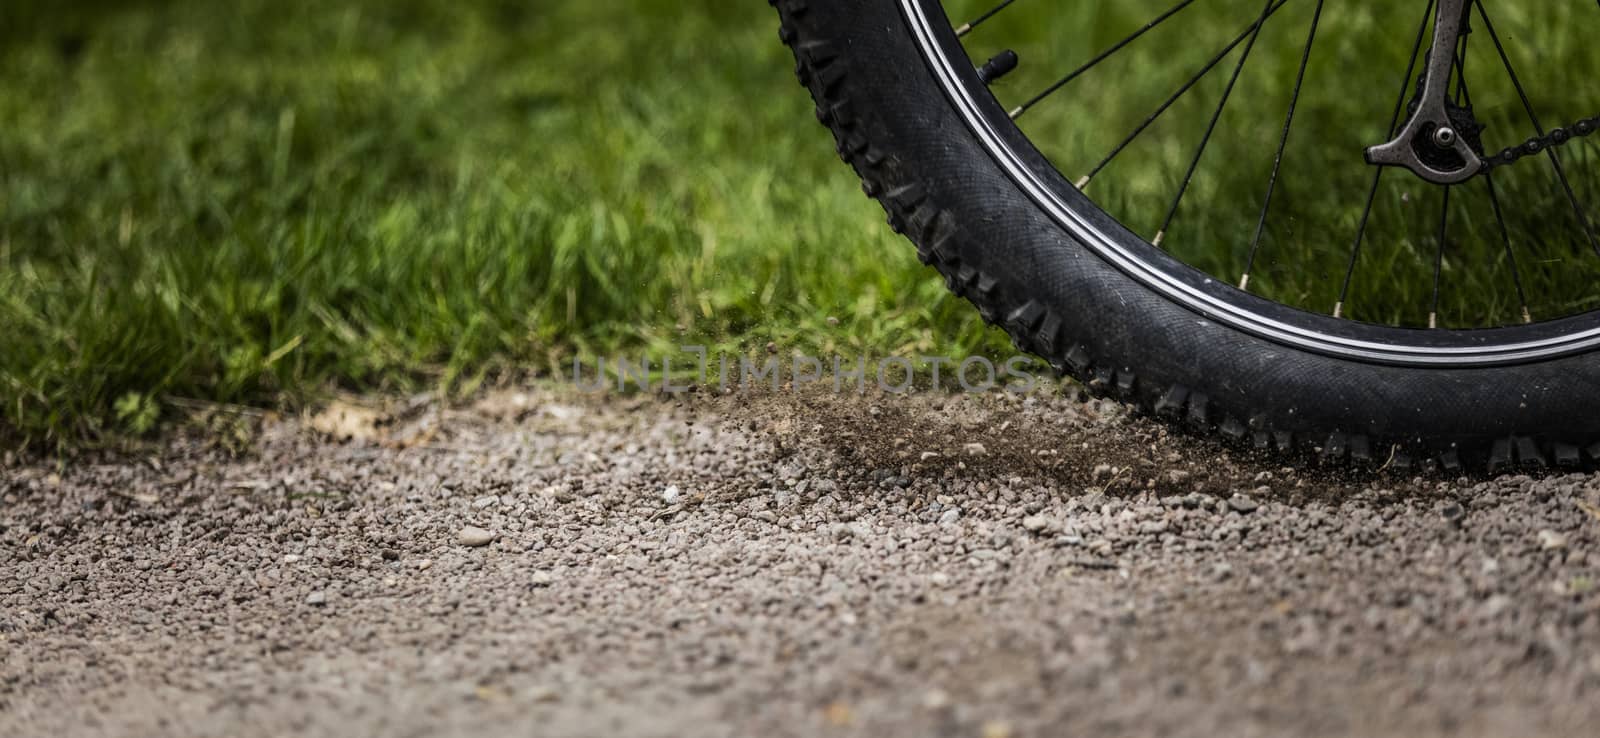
x,y
322,588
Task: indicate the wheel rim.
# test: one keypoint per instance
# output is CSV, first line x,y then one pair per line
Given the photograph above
x,y
1209,296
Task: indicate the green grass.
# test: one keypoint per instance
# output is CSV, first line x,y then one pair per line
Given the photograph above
x,y
260,202
254,205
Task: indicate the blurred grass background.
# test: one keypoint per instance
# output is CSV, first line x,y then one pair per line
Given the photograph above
x,y
259,201
262,202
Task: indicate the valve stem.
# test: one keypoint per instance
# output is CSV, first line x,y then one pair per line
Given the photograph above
x,y
998,66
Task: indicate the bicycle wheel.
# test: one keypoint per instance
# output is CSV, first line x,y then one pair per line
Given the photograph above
x,y
1295,225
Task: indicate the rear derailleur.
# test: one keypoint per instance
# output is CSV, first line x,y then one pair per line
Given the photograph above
x,y
1441,141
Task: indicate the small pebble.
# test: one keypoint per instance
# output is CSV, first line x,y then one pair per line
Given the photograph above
x,y
1549,539
996,729
1453,512
1153,527
474,536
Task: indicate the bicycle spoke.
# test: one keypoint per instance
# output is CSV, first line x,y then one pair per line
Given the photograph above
x,y
1377,174
1277,161
1211,128
1438,257
1464,97
966,28
1118,46
1539,129
1170,101
1505,237
1459,65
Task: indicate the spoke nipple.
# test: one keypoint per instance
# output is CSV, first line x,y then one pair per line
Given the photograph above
x,y
1338,309
1016,112
1244,282
1433,320
1082,182
962,31
1527,317
1159,236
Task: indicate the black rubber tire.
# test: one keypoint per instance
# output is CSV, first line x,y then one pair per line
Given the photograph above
x,y
942,189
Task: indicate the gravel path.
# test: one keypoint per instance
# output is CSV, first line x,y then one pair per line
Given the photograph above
x,y
547,564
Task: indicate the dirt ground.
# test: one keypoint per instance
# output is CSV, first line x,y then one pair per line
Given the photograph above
x,y
559,565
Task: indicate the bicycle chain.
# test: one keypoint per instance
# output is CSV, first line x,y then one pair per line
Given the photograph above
x,y
1556,137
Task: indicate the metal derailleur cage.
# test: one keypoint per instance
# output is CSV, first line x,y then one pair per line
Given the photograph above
x,y
1441,141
